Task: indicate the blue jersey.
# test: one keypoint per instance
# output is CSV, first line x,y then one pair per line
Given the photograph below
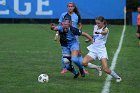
x,y
68,38
75,18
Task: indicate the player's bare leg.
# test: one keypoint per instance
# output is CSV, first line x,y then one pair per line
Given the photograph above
x,y
85,71
108,71
78,61
86,62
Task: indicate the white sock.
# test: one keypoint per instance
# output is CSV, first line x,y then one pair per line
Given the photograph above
x,y
92,66
114,74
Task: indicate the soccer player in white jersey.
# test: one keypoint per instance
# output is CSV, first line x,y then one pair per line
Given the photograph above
x,y
98,48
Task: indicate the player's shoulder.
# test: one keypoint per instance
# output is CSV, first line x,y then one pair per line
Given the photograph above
x,y
75,15
59,27
106,28
64,13
95,26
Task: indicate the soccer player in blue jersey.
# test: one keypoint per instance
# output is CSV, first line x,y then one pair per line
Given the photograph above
x,y
73,15
70,46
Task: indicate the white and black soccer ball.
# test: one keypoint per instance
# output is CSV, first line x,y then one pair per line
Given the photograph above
x,y
42,78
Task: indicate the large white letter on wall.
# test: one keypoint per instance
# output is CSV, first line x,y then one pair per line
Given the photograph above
x,y
17,10
3,12
40,11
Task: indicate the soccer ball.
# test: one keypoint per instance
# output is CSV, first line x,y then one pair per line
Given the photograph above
x,y
43,78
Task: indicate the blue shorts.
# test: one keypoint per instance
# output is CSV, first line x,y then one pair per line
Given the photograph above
x,y
66,51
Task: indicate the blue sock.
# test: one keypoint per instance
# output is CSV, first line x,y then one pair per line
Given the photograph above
x,y
78,61
71,68
63,64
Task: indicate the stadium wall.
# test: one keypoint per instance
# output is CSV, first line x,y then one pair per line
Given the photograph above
x,y
134,18
50,10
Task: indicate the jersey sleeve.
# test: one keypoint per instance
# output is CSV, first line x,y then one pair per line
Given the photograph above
x,y
60,29
62,17
79,19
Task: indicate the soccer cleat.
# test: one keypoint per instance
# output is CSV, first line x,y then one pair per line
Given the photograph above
x,y
63,71
119,79
76,75
82,72
99,70
85,71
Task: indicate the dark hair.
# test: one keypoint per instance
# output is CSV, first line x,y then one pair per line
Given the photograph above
x,y
66,20
102,19
75,8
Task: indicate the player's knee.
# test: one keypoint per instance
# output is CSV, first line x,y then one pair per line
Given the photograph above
x,y
66,59
84,63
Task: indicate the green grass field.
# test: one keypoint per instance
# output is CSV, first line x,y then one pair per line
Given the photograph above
x,y
27,50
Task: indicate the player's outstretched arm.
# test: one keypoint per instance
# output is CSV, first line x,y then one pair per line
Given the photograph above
x,y
87,36
104,32
53,27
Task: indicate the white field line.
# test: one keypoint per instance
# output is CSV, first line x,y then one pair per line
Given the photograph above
x,y
107,83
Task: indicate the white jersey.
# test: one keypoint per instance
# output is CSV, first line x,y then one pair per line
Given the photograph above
x,y
99,40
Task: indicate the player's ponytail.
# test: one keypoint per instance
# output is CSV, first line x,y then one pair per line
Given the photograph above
x,y
76,10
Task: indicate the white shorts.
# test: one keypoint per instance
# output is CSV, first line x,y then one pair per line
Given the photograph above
x,y
98,53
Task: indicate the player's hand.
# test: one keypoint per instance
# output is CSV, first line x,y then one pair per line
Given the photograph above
x,y
52,26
